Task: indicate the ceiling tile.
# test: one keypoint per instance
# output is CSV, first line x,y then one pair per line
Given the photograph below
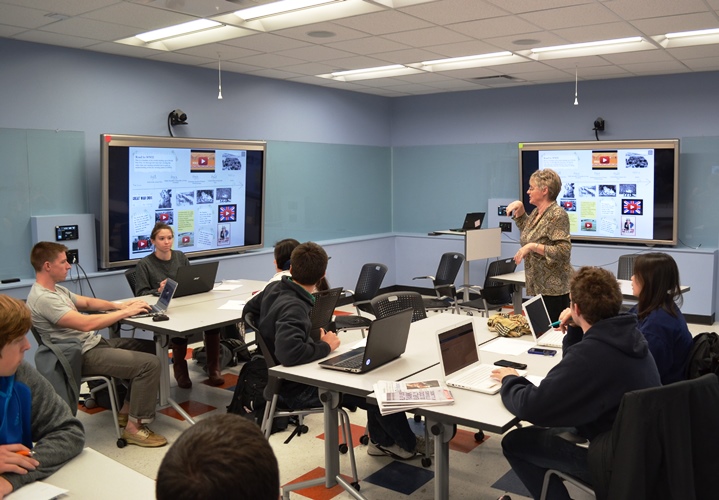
x,y
428,36
341,33
122,49
454,11
380,23
268,60
501,26
97,30
140,16
686,22
579,15
55,39
368,45
67,7
655,68
265,42
314,53
226,52
607,31
23,17
408,56
643,9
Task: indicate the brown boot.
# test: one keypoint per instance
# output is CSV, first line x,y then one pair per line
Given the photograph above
x,y
212,347
179,365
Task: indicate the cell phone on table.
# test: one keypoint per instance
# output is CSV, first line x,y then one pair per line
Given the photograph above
x,y
543,352
511,364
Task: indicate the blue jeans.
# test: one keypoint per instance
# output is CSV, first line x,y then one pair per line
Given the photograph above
x,y
531,451
383,430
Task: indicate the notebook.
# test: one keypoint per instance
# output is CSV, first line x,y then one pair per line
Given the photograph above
x,y
473,220
163,303
459,357
538,318
197,278
386,340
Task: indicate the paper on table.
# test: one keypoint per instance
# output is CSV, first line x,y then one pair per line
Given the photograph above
x,y
227,286
234,305
535,379
504,345
36,491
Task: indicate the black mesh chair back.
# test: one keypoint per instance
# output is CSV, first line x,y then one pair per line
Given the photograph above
x,y
449,266
391,303
323,310
496,293
130,277
273,383
368,284
625,268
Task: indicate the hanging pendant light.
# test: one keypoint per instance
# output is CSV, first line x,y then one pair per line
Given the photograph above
x,y
576,79
219,76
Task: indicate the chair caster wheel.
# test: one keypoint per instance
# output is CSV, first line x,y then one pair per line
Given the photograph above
x,y
355,485
90,403
418,418
121,443
426,462
344,448
303,429
479,436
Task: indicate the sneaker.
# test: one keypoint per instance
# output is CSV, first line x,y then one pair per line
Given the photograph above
x,y
145,438
394,451
425,448
122,419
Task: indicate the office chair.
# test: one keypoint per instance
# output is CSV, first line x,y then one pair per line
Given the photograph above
x,y
443,282
272,392
391,303
494,294
625,266
368,284
69,372
323,310
130,277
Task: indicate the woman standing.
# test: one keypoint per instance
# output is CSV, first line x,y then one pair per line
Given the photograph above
x,y
150,275
655,283
546,248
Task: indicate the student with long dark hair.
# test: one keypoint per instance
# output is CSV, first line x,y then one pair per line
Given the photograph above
x,y
655,283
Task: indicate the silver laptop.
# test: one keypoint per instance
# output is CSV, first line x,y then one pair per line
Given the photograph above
x,y
197,278
386,340
459,357
163,303
538,318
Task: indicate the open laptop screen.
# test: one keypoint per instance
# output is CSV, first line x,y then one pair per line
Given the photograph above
x,y
458,348
538,316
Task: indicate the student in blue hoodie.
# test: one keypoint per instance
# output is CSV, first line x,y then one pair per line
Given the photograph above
x,y
32,416
604,356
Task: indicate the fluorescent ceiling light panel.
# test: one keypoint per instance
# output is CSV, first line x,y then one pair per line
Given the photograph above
x,y
367,70
586,45
281,7
683,34
177,30
371,73
466,58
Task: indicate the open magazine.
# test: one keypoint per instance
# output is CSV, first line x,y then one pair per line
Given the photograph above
x,y
393,397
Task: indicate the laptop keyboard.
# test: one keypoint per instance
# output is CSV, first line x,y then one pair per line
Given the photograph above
x,y
552,339
475,377
353,362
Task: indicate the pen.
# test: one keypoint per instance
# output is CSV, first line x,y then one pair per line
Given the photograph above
x,y
555,324
26,453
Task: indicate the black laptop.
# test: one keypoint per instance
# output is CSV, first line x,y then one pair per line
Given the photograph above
x,y
386,340
473,220
197,278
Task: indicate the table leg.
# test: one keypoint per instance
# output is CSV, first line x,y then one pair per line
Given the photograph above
x,y
443,434
162,351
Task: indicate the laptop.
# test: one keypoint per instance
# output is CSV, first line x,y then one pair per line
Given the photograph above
x,y
473,220
459,357
386,340
538,318
163,303
197,278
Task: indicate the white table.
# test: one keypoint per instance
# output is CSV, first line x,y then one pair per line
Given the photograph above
x,y
92,475
421,353
518,279
189,315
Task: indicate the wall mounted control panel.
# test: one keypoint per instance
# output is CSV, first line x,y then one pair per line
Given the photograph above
x,y
64,233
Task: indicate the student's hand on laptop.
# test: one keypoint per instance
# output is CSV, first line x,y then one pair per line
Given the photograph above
x,y
134,307
331,338
500,373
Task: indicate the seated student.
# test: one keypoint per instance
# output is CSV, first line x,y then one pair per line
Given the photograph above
x,y
56,312
283,252
151,273
282,312
603,359
655,283
223,456
30,410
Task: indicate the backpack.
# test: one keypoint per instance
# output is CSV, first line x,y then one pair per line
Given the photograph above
x,y
232,352
248,399
704,356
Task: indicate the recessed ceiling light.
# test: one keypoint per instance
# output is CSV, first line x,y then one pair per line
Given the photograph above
x,y
321,34
178,29
280,7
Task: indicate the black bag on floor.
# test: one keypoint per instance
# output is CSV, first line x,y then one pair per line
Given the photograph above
x,y
248,399
101,398
232,352
704,356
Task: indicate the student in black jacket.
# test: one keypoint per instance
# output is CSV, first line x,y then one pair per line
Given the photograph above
x,y
605,357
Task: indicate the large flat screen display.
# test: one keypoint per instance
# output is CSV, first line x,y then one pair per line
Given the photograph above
x,y
613,191
210,191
